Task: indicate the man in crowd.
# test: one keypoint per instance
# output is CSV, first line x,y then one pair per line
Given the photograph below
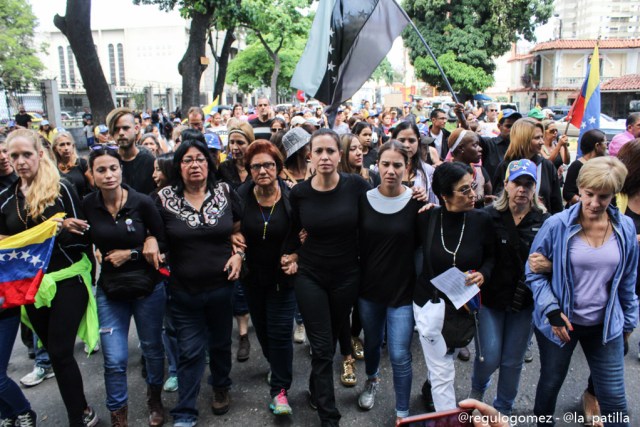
x,y
407,115
632,132
262,123
489,127
439,134
419,110
493,149
137,165
22,118
196,118
87,117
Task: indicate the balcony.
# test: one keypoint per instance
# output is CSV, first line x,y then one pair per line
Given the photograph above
x,y
575,81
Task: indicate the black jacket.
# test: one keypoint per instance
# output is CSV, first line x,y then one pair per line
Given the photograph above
x,y
497,292
445,143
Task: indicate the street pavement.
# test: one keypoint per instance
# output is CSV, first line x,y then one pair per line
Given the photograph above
x,y
250,393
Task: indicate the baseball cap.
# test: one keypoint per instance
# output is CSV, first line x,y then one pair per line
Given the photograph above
x,y
177,120
508,113
213,141
103,129
535,113
422,119
145,116
297,121
12,123
518,168
44,122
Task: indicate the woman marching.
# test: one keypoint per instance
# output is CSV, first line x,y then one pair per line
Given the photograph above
x,y
37,195
121,219
71,166
507,304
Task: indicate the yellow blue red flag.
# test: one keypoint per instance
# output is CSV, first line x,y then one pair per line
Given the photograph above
x,y
585,112
24,258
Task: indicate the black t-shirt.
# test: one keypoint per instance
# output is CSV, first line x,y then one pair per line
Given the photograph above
x,y
137,219
493,151
138,173
387,249
86,117
370,158
199,241
476,250
7,180
331,221
228,172
636,221
23,119
261,130
76,176
570,188
68,247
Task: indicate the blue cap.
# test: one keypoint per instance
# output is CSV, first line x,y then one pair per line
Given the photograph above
x,y
422,119
509,113
213,141
424,129
518,168
103,129
12,123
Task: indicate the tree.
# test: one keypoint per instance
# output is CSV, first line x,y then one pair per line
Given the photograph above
x,y
76,26
252,68
470,33
275,23
19,65
384,72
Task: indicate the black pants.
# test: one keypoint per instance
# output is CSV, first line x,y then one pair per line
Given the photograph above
x,y
325,298
57,327
351,328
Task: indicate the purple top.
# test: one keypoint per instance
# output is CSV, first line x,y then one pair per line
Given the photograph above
x,y
593,270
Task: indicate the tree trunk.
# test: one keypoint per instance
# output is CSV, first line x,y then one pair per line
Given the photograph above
x,y
223,62
190,67
76,26
273,54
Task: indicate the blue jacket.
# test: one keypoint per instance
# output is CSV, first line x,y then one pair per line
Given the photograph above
x,y
555,291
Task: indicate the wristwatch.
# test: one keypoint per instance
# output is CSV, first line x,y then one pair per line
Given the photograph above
x,y
135,255
242,255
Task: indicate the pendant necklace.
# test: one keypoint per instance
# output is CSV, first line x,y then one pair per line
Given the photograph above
x,y
455,252
267,219
24,220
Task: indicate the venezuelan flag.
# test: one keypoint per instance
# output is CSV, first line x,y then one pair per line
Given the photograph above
x,y
24,258
585,111
209,108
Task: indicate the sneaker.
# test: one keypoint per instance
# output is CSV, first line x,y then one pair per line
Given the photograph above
x,y
171,385
89,351
358,348
221,402
36,376
185,424
464,354
269,377
90,417
244,347
299,334
312,401
348,377
280,405
528,356
28,419
368,396
8,422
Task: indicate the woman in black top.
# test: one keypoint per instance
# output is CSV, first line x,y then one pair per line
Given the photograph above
x,y
453,235
200,214
364,133
265,224
592,144
120,220
326,283
37,195
507,304
352,159
387,234
72,167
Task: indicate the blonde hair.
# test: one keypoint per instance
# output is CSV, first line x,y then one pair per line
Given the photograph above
x,y
520,139
603,173
501,204
45,188
74,156
243,128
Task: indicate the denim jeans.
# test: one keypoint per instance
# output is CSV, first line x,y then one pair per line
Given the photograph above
x,y
202,319
325,298
12,400
399,322
240,307
503,336
42,357
169,339
115,318
271,310
606,363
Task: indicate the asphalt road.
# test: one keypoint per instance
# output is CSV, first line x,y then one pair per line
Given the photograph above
x,y
250,393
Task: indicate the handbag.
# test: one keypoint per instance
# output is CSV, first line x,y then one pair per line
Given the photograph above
x,y
459,325
127,285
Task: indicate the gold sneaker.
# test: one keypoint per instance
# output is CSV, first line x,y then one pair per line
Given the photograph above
x,y
348,377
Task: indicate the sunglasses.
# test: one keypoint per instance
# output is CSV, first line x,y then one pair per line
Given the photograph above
x,y
104,147
553,130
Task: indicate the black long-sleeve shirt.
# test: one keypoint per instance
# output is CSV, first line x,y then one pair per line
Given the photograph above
x,y
476,250
137,219
570,188
331,221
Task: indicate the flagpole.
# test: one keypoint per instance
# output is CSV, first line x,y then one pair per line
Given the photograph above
x,y
424,42
570,116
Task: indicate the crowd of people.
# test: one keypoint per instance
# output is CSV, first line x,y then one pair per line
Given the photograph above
x,y
345,233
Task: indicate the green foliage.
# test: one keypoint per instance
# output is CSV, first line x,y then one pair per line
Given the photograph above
x,y
474,32
384,72
19,64
252,68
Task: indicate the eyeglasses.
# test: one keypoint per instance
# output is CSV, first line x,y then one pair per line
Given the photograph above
x,y
256,167
494,111
274,130
467,189
104,147
553,130
188,161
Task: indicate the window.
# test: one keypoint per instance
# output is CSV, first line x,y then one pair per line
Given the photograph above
x,y
121,64
72,70
63,69
112,64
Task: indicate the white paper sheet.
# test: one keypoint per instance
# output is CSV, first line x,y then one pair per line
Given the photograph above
x,y
451,283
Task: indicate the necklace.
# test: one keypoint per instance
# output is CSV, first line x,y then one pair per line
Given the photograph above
x,y
65,167
606,230
24,220
455,252
115,214
267,219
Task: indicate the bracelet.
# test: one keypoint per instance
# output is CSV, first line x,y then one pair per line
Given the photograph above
x,y
242,255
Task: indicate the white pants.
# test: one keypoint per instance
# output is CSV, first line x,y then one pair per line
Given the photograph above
x,y
441,371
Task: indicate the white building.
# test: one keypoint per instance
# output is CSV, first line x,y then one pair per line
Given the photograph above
x,y
588,19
